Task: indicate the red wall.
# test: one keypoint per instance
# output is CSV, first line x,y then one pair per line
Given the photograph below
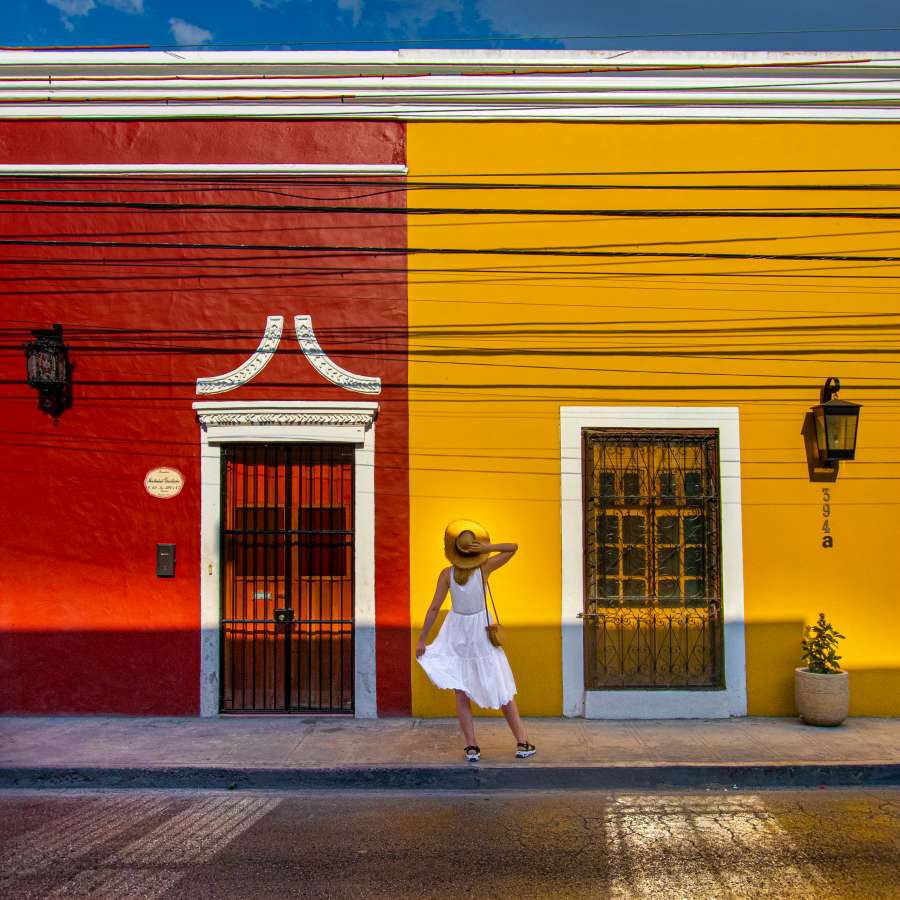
x,y
85,624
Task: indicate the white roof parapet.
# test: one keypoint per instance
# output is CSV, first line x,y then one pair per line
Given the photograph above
x,y
590,85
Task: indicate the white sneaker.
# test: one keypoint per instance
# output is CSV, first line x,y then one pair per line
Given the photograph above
x,y
524,750
473,754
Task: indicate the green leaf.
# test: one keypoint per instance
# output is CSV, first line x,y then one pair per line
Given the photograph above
x,y
819,646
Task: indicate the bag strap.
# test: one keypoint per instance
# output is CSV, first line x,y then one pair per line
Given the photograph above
x,y
486,589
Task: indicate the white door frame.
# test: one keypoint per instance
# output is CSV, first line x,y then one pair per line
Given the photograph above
x,y
655,704
294,421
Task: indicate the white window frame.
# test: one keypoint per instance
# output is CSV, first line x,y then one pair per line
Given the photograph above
x,y
652,704
295,421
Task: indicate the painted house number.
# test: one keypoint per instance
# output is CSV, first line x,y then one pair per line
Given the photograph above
x,y
827,540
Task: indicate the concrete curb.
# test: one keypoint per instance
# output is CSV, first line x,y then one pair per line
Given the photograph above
x,y
470,777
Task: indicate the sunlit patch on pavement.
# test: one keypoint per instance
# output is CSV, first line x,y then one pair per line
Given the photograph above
x,y
75,834
676,846
148,866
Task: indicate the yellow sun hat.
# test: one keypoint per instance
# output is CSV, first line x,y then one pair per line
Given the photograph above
x,y
457,536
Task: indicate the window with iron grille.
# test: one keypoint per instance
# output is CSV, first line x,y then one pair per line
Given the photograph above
x,y
652,559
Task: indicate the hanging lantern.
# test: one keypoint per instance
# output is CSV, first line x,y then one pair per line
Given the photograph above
x,y
836,424
49,371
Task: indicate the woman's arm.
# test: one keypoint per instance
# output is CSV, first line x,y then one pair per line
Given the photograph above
x,y
440,593
505,553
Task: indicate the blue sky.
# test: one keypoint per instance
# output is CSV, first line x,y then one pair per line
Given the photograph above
x,y
311,24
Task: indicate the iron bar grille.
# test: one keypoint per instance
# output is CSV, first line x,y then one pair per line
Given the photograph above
x,y
652,559
287,583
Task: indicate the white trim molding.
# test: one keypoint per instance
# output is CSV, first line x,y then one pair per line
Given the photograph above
x,y
328,369
559,85
294,421
248,370
651,704
198,170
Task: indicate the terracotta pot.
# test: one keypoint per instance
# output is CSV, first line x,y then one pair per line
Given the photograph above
x,y
821,699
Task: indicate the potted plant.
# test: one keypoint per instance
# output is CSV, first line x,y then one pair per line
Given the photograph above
x,y
820,687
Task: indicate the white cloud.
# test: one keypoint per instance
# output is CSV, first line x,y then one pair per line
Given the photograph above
x,y
185,33
73,7
355,5
129,6
68,9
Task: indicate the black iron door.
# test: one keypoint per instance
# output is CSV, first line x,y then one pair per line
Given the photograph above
x,y
287,578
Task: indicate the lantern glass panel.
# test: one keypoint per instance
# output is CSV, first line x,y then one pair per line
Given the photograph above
x,y
841,431
47,366
836,425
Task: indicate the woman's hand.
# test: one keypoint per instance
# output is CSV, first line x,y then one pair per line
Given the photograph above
x,y
485,547
478,547
420,648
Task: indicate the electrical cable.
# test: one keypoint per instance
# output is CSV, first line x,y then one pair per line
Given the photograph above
x,y
856,212
341,250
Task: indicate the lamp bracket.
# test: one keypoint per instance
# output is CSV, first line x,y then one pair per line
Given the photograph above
x,y
832,386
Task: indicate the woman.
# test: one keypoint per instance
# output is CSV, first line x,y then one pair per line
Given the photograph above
x,y
462,658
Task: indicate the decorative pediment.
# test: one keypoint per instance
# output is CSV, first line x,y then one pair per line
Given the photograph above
x,y
285,420
249,369
319,360
312,350
217,419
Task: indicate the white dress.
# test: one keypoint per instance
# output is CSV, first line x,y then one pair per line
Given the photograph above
x,y
462,657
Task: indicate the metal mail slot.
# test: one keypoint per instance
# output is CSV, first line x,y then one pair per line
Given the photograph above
x,y
165,560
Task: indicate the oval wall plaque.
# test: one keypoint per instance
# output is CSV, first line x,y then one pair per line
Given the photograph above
x,y
163,482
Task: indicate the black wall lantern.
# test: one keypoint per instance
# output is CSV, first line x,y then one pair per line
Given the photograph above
x,y
836,425
49,370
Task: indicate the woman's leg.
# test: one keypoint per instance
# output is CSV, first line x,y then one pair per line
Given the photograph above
x,y
511,711
464,714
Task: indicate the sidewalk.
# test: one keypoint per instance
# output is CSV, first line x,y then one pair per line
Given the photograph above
x,y
301,752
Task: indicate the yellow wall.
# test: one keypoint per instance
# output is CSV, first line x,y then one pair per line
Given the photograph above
x,y
484,427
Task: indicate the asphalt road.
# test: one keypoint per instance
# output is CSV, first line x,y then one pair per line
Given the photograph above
x,y
836,843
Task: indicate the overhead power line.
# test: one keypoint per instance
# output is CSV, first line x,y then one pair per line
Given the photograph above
x,y
859,212
454,251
